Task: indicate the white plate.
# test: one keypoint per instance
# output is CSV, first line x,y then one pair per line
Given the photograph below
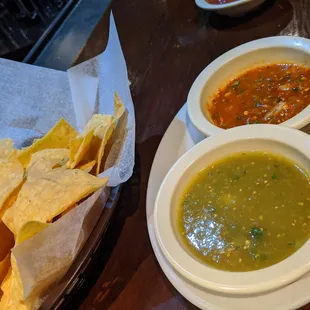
x,y
179,138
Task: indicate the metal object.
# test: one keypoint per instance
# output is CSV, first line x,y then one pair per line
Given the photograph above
x,y
60,49
22,23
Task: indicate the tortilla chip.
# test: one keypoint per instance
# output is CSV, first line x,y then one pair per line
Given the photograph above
x,y
119,107
88,166
6,244
98,124
29,230
12,174
84,142
62,163
46,160
43,198
5,281
105,139
58,137
66,211
13,292
89,142
74,148
5,288
114,146
12,288
6,241
6,149
5,265
11,199
119,110
103,126
53,155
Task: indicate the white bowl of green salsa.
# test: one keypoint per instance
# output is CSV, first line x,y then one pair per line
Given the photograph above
x,y
263,81
233,214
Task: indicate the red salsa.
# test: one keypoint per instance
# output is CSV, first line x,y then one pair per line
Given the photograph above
x,y
268,94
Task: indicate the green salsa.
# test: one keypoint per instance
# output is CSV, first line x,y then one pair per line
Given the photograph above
x,y
246,212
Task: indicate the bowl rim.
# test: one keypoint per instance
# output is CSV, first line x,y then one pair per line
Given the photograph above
x,y
235,283
195,113
204,4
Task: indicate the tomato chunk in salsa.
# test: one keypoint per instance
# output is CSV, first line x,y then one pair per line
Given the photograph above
x,y
268,94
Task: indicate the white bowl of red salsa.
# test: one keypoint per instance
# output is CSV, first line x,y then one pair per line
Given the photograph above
x,y
233,213
264,81
229,7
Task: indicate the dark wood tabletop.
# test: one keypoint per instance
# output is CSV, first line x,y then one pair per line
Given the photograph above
x,y
166,44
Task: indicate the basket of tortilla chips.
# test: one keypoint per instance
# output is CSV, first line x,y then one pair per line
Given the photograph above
x,y
40,185
66,143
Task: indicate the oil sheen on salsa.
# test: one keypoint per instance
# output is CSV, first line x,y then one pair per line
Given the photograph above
x,y
246,212
268,94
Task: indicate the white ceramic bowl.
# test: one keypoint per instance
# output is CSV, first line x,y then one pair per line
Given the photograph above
x,y
290,143
237,8
235,62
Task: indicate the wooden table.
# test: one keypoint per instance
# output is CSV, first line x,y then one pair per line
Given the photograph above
x,y
166,44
